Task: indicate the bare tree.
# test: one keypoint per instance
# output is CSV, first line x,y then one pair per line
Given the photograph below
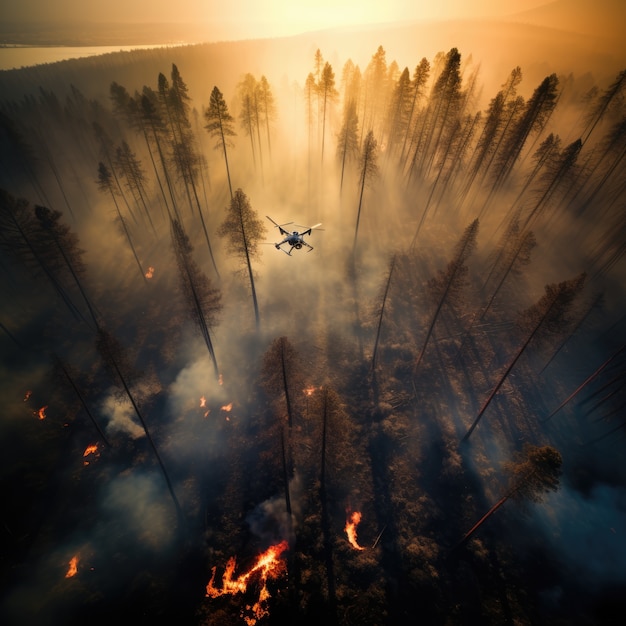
x,y
450,281
116,360
281,376
106,184
369,170
202,299
548,317
392,264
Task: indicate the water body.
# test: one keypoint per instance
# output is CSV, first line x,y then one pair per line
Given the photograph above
x,y
25,56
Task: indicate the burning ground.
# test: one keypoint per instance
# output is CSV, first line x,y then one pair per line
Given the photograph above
x,y
201,429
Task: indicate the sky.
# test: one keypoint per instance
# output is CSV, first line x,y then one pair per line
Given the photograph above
x,y
261,18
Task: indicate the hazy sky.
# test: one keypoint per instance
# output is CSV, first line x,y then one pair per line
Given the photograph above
x,y
266,17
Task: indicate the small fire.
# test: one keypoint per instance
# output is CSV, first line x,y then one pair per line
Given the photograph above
x,y
150,272
309,391
268,565
72,570
220,379
41,413
27,395
227,407
90,450
351,523
202,402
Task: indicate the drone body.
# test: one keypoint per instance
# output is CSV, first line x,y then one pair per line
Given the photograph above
x,y
293,239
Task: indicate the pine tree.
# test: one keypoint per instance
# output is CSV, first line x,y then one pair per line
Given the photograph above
x,y
348,140
244,230
327,94
220,127
535,472
267,108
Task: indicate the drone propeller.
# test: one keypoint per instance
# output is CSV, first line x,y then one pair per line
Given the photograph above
x,y
316,227
276,224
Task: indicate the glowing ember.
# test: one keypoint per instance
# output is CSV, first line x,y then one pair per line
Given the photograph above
x,y
351,523
220,380
89,451
41,413
150,272
309,391
202,402
268,565
27,395
227,407
72,570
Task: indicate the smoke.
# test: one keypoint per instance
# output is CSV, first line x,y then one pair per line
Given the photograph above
x,y
194,381
120,413
139,498
588,532
270,521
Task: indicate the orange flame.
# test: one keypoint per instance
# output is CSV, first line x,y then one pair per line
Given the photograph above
x,y
351,523
91,449
220,379
150,272
309,391
41,413
227,407
268,565
27,395
202,402
72,570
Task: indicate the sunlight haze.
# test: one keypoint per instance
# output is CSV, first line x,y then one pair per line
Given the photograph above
x,y
249,19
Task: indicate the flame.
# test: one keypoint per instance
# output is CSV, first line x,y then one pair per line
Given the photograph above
x,y
150,272
227,407
268,565
220,379
92,449
309,391
41,413
202,402
72,570
27,395
351,523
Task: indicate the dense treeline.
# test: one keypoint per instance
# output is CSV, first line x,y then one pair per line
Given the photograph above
x,y
454,338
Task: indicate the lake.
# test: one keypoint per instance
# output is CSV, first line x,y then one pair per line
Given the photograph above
x,y
24,56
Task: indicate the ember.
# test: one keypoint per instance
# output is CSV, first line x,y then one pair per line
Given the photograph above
x,y
202,402
227,407
73,567
268,565
27,395
41,413
150,272
91,451
351,523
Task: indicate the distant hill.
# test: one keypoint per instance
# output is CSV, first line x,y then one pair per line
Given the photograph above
x,y
607,20
496,46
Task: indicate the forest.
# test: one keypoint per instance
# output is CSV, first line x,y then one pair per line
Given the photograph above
x,y
420,420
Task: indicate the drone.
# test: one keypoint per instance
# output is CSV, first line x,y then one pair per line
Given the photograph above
x,y
295,239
